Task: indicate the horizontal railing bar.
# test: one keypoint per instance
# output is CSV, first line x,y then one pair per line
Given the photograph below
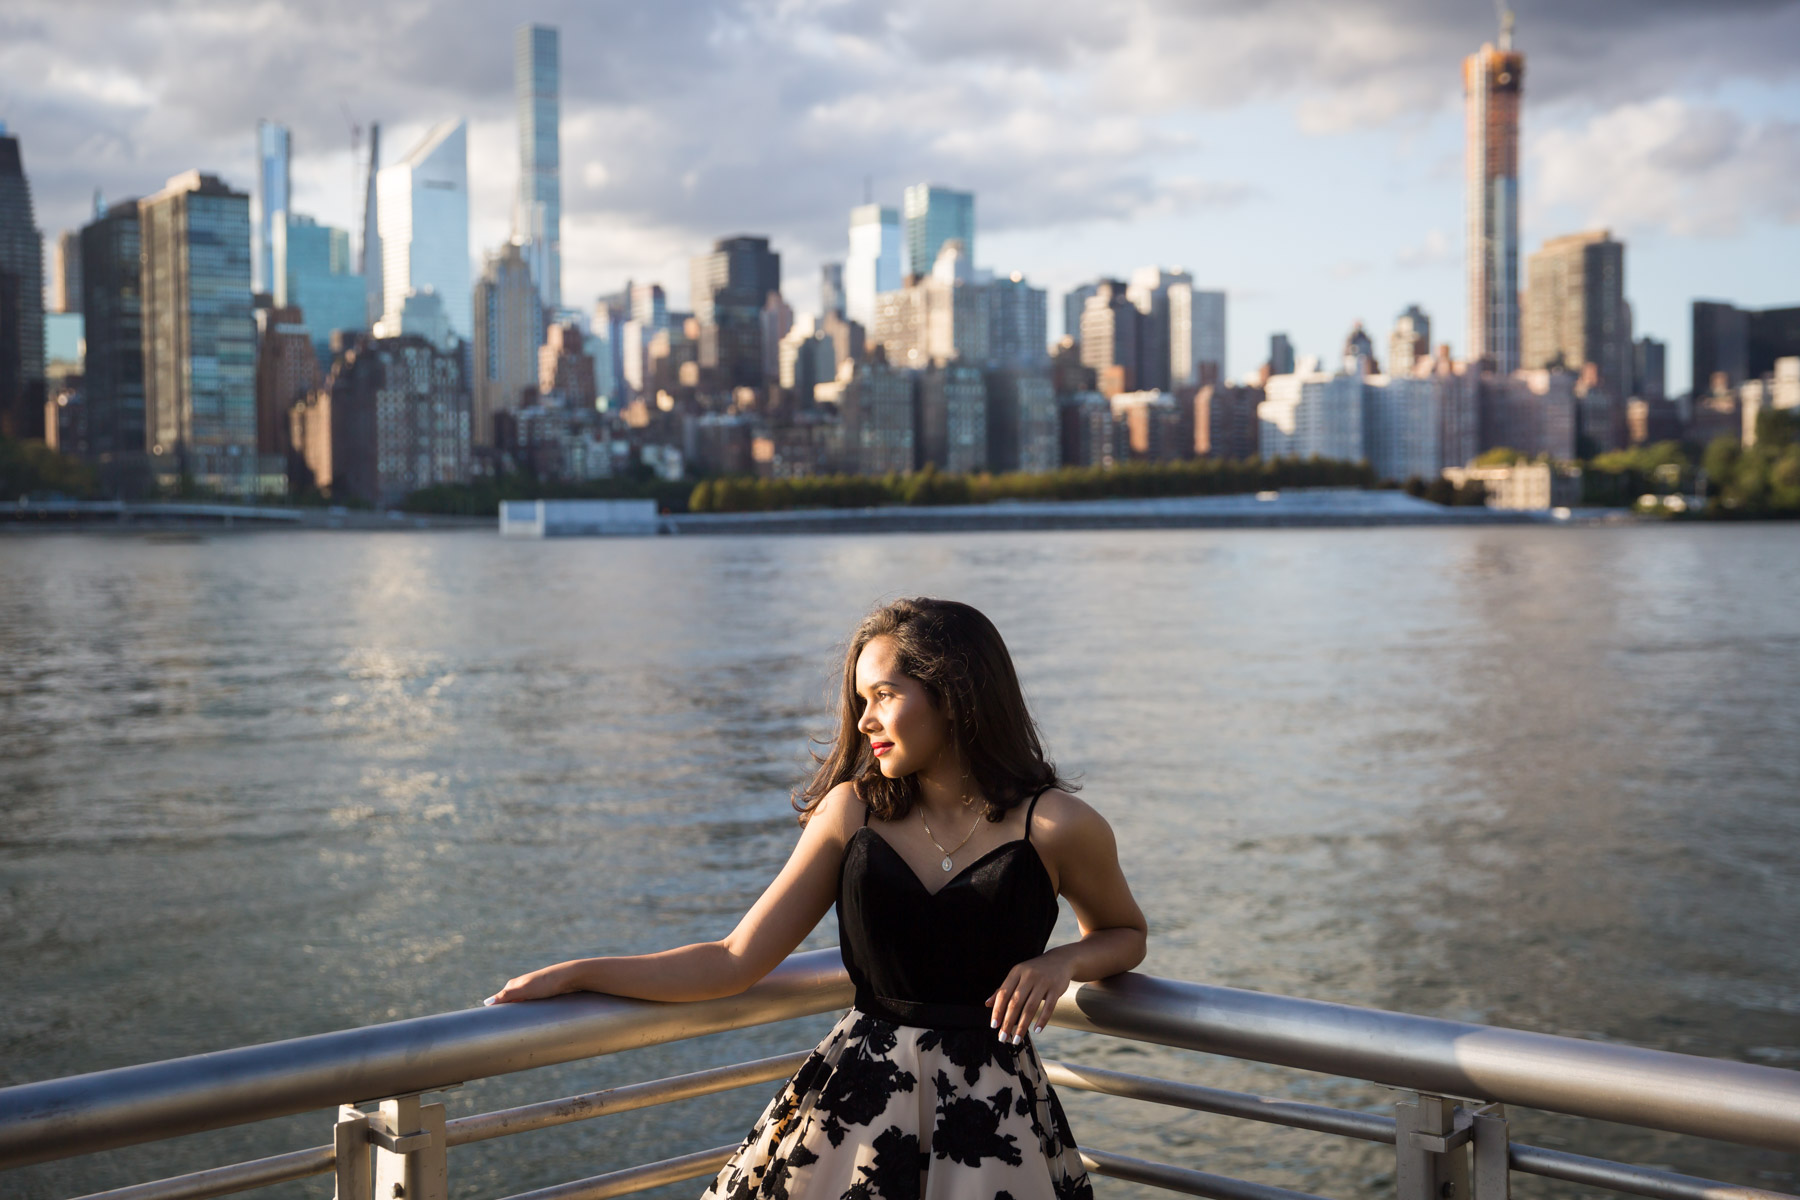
x,y
1370,1127
1182,1179
1734,1102
225,1181
319,1160
636,1179
549,1113
462,1131
1623,1177
81,1114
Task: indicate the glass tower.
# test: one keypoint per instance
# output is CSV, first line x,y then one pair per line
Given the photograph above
x,y
873,266
22,390
113,306
934,215
268,201
424,227
316,278
537,219
199,334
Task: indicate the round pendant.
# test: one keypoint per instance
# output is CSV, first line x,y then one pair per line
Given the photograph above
x,y
946,863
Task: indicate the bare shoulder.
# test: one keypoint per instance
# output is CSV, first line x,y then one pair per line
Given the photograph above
x,y
1064,822
839,814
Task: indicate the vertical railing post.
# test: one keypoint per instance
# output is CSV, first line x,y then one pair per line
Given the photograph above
x,y
1493,1154
401,1148
1429,1163
351,1143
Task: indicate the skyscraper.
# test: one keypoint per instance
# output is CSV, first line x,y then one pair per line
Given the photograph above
x,y
1493,83
368,262
1196,336
731,285
509,328
1575,309
424,225
1741,343
287,371
873,266
935,215
313,274
953,418
537,217
65,273
1149,291
199,335
1281,354
1018,322
112,305
1410,342
1074,300
1111,333
269,201
831,288
22,390
392,417
1182,333
649,305
1649,372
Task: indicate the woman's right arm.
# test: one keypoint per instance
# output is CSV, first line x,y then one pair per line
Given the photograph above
x,y
775,925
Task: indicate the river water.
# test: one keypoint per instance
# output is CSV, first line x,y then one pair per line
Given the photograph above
x,y
265,785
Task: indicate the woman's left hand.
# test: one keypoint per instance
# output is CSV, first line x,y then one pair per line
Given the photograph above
x,y
1031,990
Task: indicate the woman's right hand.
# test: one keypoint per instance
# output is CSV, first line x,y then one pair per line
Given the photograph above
x,y
536,985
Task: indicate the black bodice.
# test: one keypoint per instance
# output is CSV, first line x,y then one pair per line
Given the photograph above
x,y
931,958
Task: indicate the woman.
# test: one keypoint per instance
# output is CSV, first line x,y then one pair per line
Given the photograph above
x,y
944,837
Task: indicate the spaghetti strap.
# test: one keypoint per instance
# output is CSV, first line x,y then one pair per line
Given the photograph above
x,y
1032,807
865,816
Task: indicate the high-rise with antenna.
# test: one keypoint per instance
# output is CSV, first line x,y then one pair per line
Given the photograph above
x,y
1493,85
537,217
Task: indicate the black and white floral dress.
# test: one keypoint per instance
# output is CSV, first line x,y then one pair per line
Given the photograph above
x,y
911,1096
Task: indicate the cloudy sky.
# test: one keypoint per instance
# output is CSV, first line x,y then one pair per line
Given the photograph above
x,y
1304,155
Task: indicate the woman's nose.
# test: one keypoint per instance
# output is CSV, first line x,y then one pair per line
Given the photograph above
x,y
868,724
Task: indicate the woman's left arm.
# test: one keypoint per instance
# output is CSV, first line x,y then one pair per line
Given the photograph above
x,y
1078,846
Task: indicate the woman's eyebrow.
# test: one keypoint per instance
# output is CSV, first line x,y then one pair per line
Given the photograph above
x,y
869,687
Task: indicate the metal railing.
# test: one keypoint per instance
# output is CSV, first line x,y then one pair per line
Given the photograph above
x,y
1449,1128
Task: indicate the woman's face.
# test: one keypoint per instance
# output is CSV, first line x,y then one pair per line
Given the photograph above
x,y
905,729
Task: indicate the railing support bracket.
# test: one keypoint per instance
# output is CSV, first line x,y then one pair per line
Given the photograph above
x,y
1429,1164
396,1153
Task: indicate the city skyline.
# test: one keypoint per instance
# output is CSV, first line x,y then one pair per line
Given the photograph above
x,y
1224,183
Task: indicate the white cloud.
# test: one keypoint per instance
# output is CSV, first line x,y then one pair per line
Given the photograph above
x,y
1669,165
686,122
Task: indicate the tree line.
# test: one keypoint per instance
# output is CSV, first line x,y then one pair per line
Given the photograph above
x,y
930,487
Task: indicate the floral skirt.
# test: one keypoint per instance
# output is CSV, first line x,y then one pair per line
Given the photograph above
x,y
881,1111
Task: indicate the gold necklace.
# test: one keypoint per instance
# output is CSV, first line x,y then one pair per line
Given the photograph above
x,y
947,864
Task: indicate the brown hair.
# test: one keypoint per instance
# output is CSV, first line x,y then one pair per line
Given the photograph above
x,y
960,658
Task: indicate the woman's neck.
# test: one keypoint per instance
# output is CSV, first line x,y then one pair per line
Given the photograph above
x,y
947,790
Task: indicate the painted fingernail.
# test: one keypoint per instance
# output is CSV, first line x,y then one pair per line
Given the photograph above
x,y
489,1000
994,1024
